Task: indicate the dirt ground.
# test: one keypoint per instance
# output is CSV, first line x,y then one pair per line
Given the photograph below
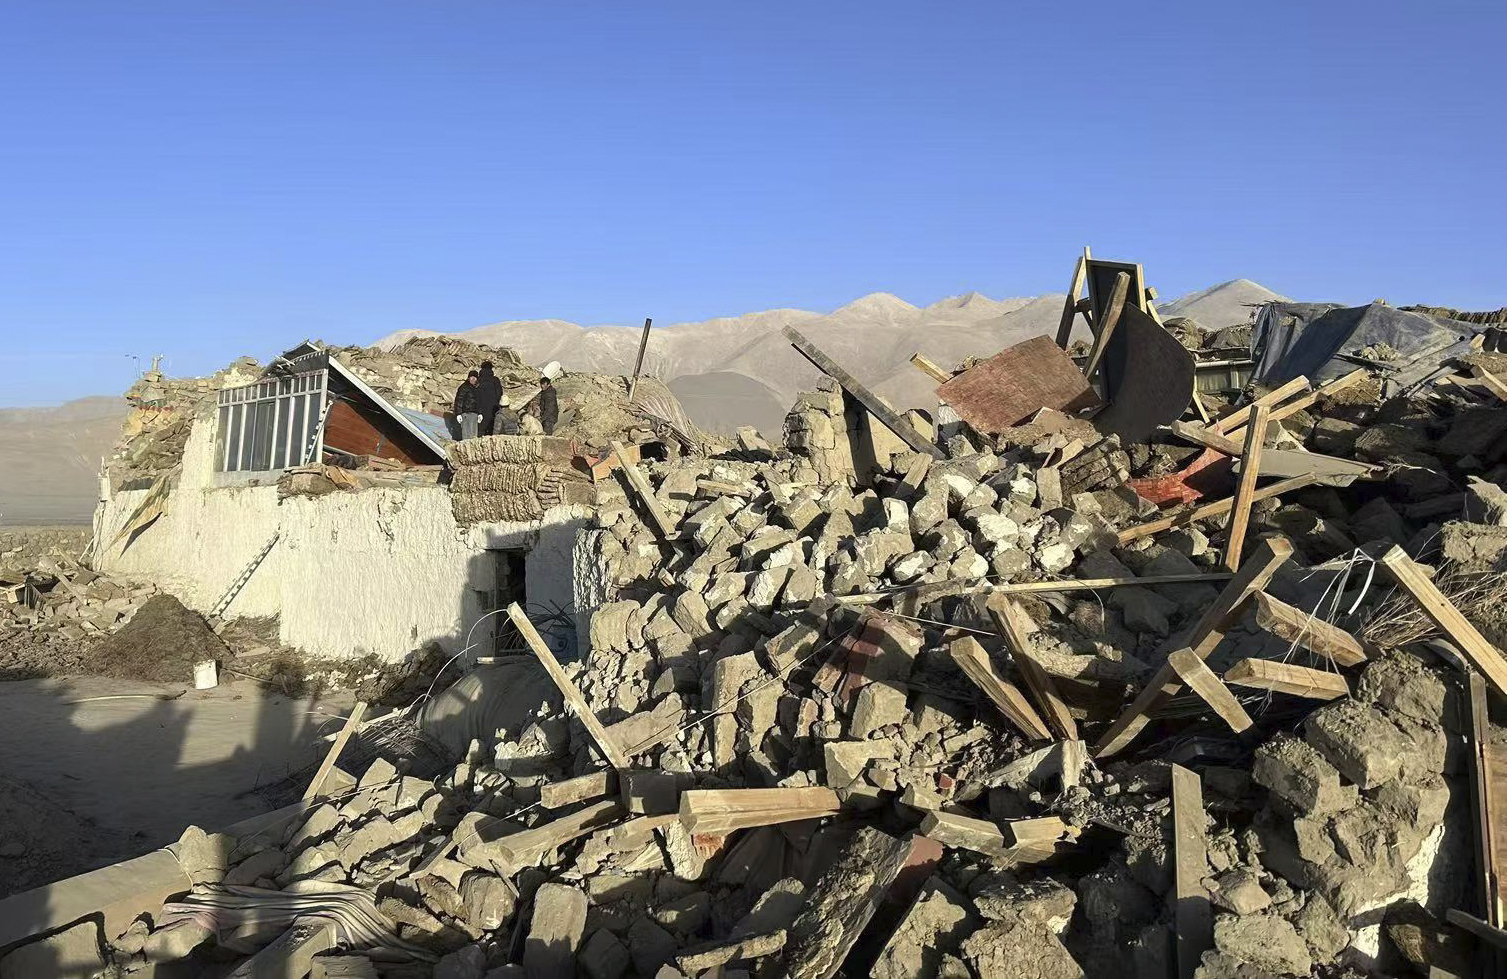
x,y
97,770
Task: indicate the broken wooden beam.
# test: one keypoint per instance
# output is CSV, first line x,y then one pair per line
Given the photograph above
x,y
1214,509
1240,417
887,416
1197,676
1322,391
638,365
1299,681
982,586
577,703
1070,303
930,368
352,724
724,810
592,785
1477,651
525,847
1489,381
1202,638
640,485
1105,328
1240,512
1192,911
1282,463
974,661
1307,630
841,904
1005,615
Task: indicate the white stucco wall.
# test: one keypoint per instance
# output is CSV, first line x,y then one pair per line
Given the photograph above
x,y
379,571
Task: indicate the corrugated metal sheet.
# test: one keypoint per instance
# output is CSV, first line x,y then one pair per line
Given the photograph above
x,y
432,425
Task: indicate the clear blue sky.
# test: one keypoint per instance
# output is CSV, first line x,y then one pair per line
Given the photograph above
x,y
208,179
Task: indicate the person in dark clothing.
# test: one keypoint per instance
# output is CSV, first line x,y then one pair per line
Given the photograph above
x,y
549,406
506,422
488,396
465,406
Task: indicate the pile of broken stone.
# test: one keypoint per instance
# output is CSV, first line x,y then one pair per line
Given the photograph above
x,y
805,747
56,598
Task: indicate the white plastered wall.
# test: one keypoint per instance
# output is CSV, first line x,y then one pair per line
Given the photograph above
x,y
380,571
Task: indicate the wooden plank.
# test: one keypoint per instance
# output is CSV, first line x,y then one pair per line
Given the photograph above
x,y
1070,304
887,416
1308,630
1107,324
930,368
1202,681
352,724
1252,577
1240,513
1033,587
592,785
701,802
1013,385
1241,416
577,703
1214,509
1495,937
524,848
1198,406
1300,681
645,492
638,365
1490,381
1441,611
1274,462
1484,827
1004,613
964,832
1322,391
1192,913
976,665
718,824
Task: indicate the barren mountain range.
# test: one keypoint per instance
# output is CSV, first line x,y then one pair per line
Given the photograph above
x,y
727,372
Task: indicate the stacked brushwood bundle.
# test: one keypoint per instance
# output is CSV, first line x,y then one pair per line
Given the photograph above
x,y
509,477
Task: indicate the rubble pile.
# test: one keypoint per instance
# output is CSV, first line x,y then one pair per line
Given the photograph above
x,y
53,610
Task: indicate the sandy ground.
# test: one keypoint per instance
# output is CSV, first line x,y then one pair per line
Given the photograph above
x,y
138,770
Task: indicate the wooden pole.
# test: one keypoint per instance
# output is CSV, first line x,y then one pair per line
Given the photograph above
x,y
1070,304
638,366
568,689
352,723
1250,471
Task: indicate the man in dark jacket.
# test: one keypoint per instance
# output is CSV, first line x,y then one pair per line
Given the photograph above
x,y
488,396
549,406
465,406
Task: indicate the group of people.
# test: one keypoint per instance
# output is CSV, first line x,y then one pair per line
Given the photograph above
x,y
483,408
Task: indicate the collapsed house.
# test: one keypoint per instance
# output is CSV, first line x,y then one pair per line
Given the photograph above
x,y
1056,683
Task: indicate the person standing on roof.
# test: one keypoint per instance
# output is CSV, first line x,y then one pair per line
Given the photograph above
x,y
549,406
506,422
488,396
465,406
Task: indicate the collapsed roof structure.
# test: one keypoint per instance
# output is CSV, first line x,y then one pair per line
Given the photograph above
x,y
1086,673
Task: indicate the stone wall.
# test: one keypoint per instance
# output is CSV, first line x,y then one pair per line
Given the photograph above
x,y
26,546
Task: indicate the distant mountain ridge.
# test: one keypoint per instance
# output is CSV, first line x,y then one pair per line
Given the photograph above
x,y
873,336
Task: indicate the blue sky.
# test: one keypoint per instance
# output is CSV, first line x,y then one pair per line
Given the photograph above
x,y
210,179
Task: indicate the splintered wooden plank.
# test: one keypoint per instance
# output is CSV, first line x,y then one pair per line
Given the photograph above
x,y
1240,513
1300,681
1105,328
645,493
1307,630
1192,912
930,368
1010,387
1203,681
890,418
1441,611
1214,509
1005,615
1490,381
524,848
572,694
1241,417
1252,577
638,365
704,802
976,665
352,725
1070,303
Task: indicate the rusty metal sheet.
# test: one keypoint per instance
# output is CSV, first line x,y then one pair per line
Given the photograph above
x,y
1015,383
1149,375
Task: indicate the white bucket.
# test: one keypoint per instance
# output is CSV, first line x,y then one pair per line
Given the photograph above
x,y
206,675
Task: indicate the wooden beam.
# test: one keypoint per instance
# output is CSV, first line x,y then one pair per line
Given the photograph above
x,y
577,703
964,833
1240,514
638,365
1300,681
1241,417
1495,937
1202,681
726,810
1005,615
930,369
1037,587
1307,630
640,484
1198,407
887,416
1070,304
352,724
1490,381
1274,462
841,904
1214,509
1484,795
1322,391
1107,326
974,661
1480,653
524,848
1193,913
1202,638
592,785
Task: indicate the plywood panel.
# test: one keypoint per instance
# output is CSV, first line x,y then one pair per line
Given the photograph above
x,y
368,432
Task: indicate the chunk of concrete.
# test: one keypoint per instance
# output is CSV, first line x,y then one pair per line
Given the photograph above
x,y
555,932
1294,770
1359,741
1264,940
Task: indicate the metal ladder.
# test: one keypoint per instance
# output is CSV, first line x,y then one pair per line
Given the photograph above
x,y
244,576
